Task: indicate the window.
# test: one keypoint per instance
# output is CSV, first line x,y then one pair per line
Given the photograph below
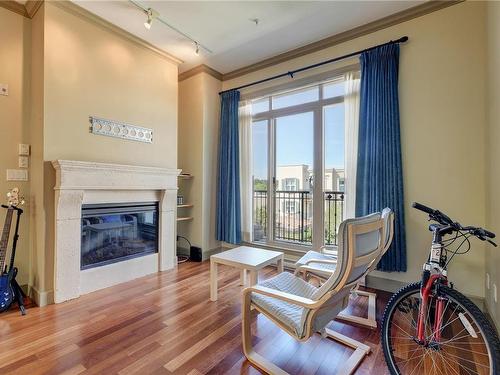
x,y
333,89
298,165
259,106
341,186
301,96
290,206
290,184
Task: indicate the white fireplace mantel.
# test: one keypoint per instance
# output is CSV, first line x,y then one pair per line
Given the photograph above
x,y
79,183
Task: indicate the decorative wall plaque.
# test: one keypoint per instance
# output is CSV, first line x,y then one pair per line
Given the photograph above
x,y
123,130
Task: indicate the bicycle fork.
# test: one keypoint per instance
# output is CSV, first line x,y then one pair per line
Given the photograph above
x,y
435,337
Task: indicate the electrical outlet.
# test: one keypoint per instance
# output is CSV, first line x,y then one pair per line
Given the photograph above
x,y
4,89
487,280
495,297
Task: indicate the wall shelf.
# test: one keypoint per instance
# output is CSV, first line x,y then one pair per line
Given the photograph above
x,y
185,176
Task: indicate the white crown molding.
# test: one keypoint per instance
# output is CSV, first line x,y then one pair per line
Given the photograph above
x,y
371,27
83,13
31,7
382,23
27,10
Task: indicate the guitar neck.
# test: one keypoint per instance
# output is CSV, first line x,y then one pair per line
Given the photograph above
x,y
5,238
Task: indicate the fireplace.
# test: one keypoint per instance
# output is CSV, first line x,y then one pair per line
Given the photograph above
x,y
140,237
116,232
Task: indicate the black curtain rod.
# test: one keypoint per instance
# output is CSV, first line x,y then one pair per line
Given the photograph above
x,y
293,72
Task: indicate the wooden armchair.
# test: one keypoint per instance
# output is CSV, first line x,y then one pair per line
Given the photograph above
x,y
321,265
301,309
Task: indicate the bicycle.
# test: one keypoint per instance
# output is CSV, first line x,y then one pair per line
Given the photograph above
x,y
429,327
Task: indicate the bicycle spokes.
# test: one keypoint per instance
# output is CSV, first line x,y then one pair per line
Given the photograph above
x,y
441,338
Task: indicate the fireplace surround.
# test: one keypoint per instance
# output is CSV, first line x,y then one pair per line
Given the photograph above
x,y
82,184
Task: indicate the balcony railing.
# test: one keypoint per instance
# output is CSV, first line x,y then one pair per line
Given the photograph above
x,y
294,215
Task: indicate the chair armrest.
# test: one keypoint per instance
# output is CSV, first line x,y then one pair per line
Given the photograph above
x,y
318,272
321,261
330,251
283,296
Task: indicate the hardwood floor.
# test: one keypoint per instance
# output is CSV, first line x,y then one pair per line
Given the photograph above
x,y
166,324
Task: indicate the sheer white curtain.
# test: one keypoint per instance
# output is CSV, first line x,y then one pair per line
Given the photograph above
x,y
351,110
245,121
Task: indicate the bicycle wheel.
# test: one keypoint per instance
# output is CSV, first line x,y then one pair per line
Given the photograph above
x,y
468,343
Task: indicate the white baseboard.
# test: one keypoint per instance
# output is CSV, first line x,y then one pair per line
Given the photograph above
x,y
205,255
40,298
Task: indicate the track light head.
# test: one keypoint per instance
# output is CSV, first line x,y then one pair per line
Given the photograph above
x,y
197,48
151,15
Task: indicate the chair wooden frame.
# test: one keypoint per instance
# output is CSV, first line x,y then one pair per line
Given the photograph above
x,y
370,320
342,287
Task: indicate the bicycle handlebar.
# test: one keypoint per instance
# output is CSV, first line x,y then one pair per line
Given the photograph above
x,y
435,214
421,207
444,219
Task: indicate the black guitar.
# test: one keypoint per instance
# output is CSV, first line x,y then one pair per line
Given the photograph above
x,y
7,275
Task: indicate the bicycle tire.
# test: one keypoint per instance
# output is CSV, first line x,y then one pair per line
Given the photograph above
x,y
489,332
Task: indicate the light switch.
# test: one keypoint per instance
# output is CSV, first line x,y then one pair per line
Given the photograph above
x,y
23,162
4,89
17,175
24,149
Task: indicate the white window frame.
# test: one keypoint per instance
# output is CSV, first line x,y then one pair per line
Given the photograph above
x,y
290,184
317,107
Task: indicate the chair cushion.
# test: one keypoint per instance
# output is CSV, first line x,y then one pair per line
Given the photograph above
x,y
315,255
289,314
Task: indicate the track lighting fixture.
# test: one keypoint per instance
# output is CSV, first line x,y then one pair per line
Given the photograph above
x,y
154,15
151,15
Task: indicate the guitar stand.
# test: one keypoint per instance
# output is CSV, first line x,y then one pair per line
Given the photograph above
x,y
18,293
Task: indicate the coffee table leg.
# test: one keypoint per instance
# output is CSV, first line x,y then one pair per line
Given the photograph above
x,y
243,277
253,277
280,264
213,280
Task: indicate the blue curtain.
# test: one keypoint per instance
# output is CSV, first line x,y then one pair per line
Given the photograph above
x,y
228,187
379,180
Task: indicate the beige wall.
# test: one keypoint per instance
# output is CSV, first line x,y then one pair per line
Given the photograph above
x,y
493,168
442,102
63,67
15,65
38,228
211,111
190,155
198,142
91,71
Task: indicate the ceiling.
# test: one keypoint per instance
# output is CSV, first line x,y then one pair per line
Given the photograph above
x,y
225,27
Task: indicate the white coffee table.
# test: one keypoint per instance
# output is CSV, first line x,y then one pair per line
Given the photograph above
x,y
248,259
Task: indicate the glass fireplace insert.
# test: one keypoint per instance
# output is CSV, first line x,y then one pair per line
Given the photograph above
x,y
116,232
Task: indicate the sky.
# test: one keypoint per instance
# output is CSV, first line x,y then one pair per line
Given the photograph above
x,y
294,140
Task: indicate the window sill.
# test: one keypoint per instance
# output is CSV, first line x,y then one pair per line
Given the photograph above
x,y
287,250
